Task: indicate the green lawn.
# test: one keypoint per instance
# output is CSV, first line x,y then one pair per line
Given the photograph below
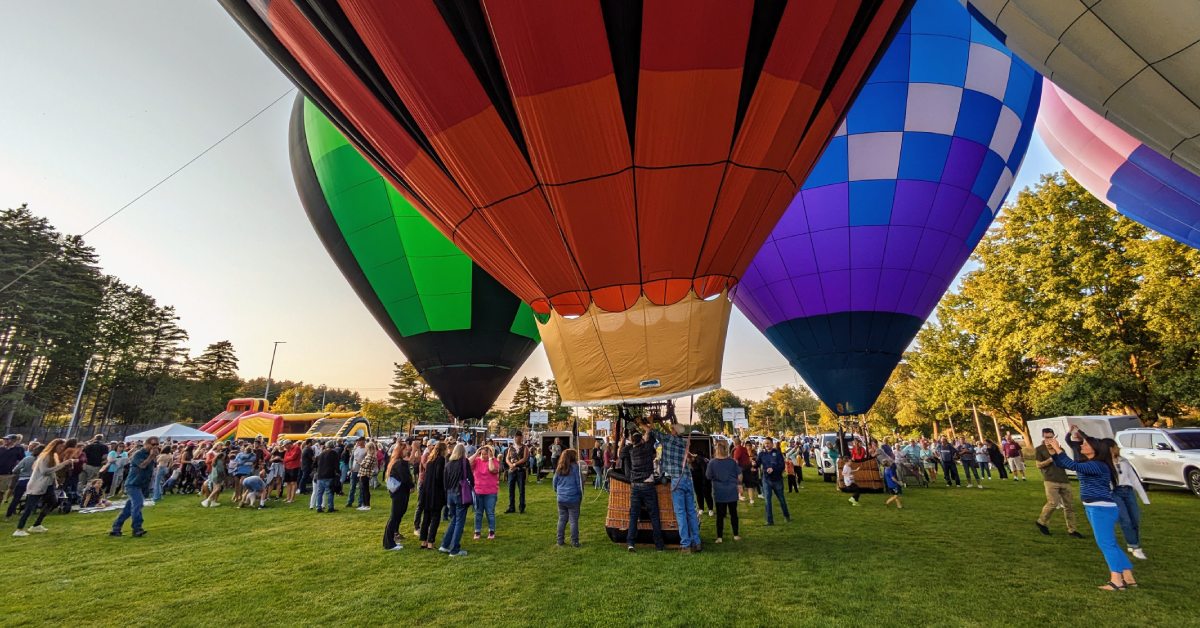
x,y
951,557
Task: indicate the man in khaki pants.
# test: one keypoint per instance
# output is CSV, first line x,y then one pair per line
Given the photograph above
x,y
1058,489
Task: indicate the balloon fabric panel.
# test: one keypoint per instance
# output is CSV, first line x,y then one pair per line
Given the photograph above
x,y
901,195
1132,62
455,77
1119,170
463,331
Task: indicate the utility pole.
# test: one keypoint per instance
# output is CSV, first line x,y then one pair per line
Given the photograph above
x,y
978,428
78,398
271,371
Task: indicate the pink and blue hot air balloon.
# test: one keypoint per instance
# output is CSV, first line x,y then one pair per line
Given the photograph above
x,y
895,205
1120,170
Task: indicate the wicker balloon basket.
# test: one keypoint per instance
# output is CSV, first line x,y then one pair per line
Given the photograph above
x,y
866,475
616,523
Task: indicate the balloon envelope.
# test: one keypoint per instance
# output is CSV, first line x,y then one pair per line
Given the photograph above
x,y
1119,170
895,205
1135,62
463,331
615,164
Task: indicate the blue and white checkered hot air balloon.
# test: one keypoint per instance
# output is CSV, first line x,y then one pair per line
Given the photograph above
x,y
896,204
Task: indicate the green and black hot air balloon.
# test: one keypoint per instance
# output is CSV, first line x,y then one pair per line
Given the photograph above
x,y
464,332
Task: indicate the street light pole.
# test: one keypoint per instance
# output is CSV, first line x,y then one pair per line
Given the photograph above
x,y
87,368
270,371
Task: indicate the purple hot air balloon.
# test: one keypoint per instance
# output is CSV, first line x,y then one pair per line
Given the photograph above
x,y
895,205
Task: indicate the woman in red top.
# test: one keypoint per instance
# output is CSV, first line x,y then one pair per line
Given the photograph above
x,y
741,456
291,469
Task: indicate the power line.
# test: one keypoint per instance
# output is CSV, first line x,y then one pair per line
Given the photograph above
x,y
155,186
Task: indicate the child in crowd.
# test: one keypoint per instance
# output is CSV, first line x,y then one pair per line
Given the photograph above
x,y
893,484
93,495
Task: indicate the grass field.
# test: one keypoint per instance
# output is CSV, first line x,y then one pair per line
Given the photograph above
x,y
951,557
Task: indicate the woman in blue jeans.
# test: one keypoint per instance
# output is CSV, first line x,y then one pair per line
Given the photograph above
x,y
459,484
1097,477
486,470
1127,493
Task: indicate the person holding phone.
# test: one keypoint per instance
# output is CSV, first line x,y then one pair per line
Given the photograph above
x,y
1097,478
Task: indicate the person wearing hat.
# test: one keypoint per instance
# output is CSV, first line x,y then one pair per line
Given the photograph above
x,y
11,452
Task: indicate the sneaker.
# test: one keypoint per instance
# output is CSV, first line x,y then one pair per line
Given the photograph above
x,y
1138,553
443,550
476,536
560,543
24,533
719,541
852,501
139,533
492,536
1044,529
710,513
113,533
321,510
398,547
364,508
461,552
979,485
1076,534
332,510
204,503
737,538
39,529
575,544
630,548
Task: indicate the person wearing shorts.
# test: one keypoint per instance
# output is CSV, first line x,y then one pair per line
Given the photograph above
x,y
1012,454
894,487
254,487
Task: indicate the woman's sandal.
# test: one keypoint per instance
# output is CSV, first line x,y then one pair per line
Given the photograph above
x,y
1111,586
1131,585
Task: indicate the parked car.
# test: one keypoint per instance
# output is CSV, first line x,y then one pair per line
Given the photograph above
x,y
820,453
1164,456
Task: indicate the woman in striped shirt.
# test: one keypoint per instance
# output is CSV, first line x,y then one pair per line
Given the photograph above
x,y
1097,476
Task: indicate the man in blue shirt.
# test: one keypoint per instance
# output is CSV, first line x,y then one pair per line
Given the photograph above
x,y
772,464
683,493
137,482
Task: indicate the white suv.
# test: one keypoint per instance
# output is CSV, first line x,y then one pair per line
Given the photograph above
x,y
1164,456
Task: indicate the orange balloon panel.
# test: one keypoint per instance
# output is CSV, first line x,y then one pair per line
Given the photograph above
x,y
677,120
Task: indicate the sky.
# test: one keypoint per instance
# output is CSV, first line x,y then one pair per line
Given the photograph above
x,y
103,99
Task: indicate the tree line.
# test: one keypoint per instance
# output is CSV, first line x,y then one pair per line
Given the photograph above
x,y
62,315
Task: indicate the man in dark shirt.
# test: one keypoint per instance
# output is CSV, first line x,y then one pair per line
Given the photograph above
x,y
1058,489
308,458
516,459
327,470
94,454
771,462
946,454
638,461
11,452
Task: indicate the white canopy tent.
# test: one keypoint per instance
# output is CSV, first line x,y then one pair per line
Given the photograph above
x,y
173,431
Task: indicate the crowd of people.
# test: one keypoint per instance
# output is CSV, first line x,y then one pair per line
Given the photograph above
x,y
449,477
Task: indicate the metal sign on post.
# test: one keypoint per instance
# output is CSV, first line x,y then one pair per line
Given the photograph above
x,y
741,424
539,417
603,424
731,415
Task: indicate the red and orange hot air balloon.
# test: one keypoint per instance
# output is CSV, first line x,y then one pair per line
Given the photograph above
x,y
616,164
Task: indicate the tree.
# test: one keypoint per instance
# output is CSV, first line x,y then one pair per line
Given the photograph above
x,y
709,405
384,417
413,398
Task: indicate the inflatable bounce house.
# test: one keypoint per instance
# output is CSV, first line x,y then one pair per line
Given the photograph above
x,y
247,419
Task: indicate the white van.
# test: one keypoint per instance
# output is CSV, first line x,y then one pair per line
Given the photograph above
x,y
820,454
1094,426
